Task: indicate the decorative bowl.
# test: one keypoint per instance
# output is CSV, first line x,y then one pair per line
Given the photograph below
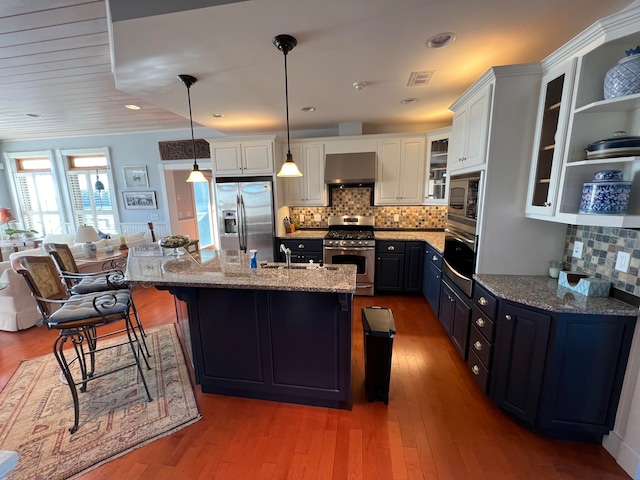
x,y
174,242
608,176
605,197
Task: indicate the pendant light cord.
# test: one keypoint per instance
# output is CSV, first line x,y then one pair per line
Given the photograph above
x,y
286,101
193,140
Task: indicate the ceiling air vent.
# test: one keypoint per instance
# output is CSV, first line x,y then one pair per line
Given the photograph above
x,y
417,79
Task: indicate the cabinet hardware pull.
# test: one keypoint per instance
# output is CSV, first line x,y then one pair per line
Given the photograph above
x,y
480,322
434,258
391,248
508,317
547,204
482,301
476,369
301,246
477,345
437,277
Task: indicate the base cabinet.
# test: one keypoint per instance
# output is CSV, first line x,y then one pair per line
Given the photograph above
x,y
432,276
302,251
455,316
274,345
560,373
399,266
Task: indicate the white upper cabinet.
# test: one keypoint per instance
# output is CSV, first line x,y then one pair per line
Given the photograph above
x,y
435,188
551,128
468,144
310,189
400,171
242,157
593,118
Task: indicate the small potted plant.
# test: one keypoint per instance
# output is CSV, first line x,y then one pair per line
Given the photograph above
x,y
15,233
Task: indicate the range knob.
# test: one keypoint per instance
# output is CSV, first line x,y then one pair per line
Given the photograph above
x,y
360,242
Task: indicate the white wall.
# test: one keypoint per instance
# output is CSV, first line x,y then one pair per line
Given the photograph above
x,y
125,149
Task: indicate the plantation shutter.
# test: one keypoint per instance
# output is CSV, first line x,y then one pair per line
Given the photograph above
x,y
91,206
39,202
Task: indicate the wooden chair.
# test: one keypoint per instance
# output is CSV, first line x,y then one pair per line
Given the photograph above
x,y
77,319
83,283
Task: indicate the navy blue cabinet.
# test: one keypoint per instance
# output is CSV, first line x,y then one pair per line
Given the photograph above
x,y
455,316
303,250
399,266
269,344
432,266
561,373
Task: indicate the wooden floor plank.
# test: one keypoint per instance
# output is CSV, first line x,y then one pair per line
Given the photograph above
x,y
437,425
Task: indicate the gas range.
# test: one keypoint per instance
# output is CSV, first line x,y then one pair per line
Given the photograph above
x,y
350,231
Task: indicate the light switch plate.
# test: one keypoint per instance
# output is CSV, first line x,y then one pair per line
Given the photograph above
x,y
622,262
396,217
301,217
577,249
317,217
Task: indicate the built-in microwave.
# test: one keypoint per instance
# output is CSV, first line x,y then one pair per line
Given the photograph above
x,y
464,197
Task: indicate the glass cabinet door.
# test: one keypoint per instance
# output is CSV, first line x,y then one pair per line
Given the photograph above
x,y
436,178
553,110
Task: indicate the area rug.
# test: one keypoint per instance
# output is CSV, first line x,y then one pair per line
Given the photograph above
x,y
36,410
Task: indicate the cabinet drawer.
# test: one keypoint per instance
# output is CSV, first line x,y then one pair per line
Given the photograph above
x,y
433,256
484,300
483,323
388,246
303,245
480,373
481,347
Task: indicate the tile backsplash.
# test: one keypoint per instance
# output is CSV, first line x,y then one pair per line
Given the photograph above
x,y
601,246
356,201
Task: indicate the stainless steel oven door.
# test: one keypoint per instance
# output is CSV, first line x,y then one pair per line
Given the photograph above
x,y
362,257
459,258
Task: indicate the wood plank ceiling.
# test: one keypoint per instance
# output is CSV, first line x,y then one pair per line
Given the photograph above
x,y
56,78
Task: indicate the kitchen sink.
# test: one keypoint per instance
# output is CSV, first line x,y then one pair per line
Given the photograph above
x,y
298,266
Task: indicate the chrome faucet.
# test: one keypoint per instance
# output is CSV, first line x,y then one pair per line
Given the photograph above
x,y
287,253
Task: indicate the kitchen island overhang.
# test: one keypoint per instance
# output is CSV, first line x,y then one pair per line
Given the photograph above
x,y
270,333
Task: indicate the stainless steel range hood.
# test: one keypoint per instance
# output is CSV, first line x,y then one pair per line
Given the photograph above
x,y
350,168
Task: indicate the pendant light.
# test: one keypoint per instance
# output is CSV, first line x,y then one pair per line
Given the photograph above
x,y
285,44
195,175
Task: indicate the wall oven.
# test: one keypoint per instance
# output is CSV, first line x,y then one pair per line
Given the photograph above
x,y
461,238
350,241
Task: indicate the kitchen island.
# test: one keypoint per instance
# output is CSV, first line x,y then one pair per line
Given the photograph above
x,y
269,332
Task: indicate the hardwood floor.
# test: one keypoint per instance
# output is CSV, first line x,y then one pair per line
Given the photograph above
x,y
438,424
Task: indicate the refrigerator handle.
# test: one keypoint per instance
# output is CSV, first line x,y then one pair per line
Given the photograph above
x,y
240,221
244,225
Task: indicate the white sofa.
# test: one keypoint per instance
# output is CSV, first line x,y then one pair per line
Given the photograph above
x,y
18,310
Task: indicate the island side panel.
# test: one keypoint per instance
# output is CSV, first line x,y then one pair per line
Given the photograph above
x,y
310,340
276,345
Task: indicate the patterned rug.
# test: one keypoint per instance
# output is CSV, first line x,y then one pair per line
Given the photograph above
x,y
36,410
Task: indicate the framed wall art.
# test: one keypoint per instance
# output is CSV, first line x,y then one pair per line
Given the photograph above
x,y
141,200
136,176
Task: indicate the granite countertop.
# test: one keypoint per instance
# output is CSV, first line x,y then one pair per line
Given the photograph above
x,y
544,293
230,269
434,238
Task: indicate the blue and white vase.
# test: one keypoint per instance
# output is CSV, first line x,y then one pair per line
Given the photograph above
x,y
624,78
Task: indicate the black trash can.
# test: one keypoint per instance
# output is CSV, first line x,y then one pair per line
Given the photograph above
x,y
379,328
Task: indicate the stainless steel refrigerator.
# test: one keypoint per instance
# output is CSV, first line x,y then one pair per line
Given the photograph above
x,y
245,215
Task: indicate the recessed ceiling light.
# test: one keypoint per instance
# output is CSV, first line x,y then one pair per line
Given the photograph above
x,y
359,85
34,115
440,40
407,101
132,107
308,109
217,115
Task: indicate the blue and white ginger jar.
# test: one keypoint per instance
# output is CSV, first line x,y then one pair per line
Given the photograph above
x,y
624,78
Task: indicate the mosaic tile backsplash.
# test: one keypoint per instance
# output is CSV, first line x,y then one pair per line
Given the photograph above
x,y
356,201
601,246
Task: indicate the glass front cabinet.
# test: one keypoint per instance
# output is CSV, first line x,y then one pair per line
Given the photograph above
x,y
435,189
551,128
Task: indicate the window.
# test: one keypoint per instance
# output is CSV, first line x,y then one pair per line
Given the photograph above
x,y
38,195
90,191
